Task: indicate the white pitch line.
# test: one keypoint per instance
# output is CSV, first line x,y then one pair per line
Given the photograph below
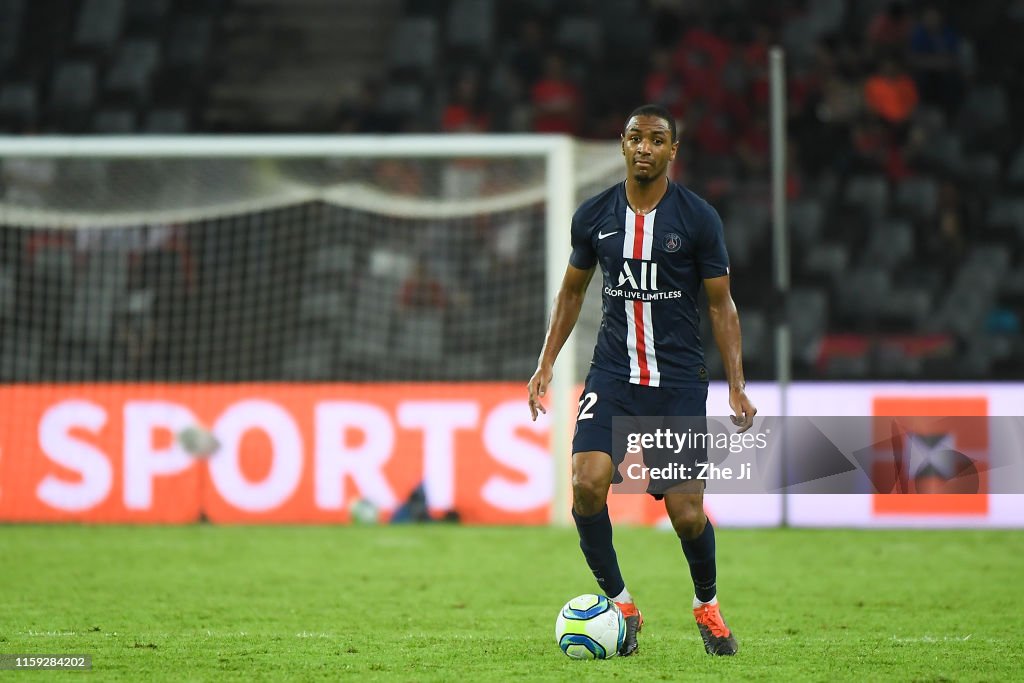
x,y
932,639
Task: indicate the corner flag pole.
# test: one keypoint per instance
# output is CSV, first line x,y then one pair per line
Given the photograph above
x,y
780,244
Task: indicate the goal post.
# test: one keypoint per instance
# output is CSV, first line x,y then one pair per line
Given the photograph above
x,y
246,188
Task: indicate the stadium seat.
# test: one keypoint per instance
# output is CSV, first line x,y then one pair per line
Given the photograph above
x,y
986,107
859,292
826,259
907,309
55,264
1015,171
805,221
995,258
929,118
99,23
73,362
414,45
580,35
893,361
12,13
335,261
402,99
166,121
6,292
368,338
419,336
967,301
145,15
73,87
982,170
114,122
189,41
18,102
97,294
889,244
21,356
310,357
944,151
1007,211
470,25
847,367
1013,283
868,192
917,197
807,312
756,335
132,69
323,306
740,241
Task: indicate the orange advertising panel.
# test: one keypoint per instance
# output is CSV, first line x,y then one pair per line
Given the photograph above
x,y
285,452
932,416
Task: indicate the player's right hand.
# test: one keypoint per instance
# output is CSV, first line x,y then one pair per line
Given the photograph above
x,y
538,386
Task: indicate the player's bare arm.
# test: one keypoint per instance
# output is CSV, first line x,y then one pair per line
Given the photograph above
x,y
564,314
725,323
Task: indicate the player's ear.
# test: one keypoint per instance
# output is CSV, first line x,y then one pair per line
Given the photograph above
x,y
675,148
622,143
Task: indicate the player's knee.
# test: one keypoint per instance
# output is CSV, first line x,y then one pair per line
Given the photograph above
x,y
688,520
589,493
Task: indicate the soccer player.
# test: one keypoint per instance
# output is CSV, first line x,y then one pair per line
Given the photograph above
x,y
657,243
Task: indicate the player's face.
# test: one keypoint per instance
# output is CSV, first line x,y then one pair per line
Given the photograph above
x,y
648,148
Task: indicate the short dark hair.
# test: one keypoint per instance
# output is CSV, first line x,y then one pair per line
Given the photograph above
x,y
658,111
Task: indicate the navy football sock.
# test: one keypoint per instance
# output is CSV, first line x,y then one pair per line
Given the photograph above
x,y
700,554
596,543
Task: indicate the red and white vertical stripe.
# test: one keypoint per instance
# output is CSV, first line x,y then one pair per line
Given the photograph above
x,y
643,362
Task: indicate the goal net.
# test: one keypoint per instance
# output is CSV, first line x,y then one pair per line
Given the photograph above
x,y
248,269
202,261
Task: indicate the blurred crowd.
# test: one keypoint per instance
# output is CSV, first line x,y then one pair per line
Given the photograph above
x,y
905,171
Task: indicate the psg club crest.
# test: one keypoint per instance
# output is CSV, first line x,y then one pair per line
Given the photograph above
x,y
672,242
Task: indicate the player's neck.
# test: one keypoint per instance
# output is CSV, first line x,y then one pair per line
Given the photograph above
x,y
644,197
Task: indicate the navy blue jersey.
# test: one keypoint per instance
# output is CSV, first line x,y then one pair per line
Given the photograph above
x,y
653,266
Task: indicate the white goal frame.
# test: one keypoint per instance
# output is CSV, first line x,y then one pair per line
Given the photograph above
x,y
558,152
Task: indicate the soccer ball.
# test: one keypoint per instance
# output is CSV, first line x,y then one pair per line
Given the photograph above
x,y
590,627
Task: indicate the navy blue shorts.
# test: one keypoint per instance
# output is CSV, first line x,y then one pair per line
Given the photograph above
x,y
679,409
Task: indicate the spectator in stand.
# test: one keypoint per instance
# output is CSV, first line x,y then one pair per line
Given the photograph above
x,y
361,113
463,178
712,135
891,94
946,237
889,30
869,143
831,100
755,56
557,102
526,55
754,146
464,113
935,58
663,86
699,59
421,291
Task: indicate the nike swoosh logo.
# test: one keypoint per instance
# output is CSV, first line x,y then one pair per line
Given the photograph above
x,y
602,235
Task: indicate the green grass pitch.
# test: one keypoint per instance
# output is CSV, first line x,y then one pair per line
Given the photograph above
x,y
462,603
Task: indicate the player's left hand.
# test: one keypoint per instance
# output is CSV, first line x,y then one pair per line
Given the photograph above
x,y
743,409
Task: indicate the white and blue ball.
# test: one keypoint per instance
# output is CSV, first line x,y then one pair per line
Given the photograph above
x,y
590,627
